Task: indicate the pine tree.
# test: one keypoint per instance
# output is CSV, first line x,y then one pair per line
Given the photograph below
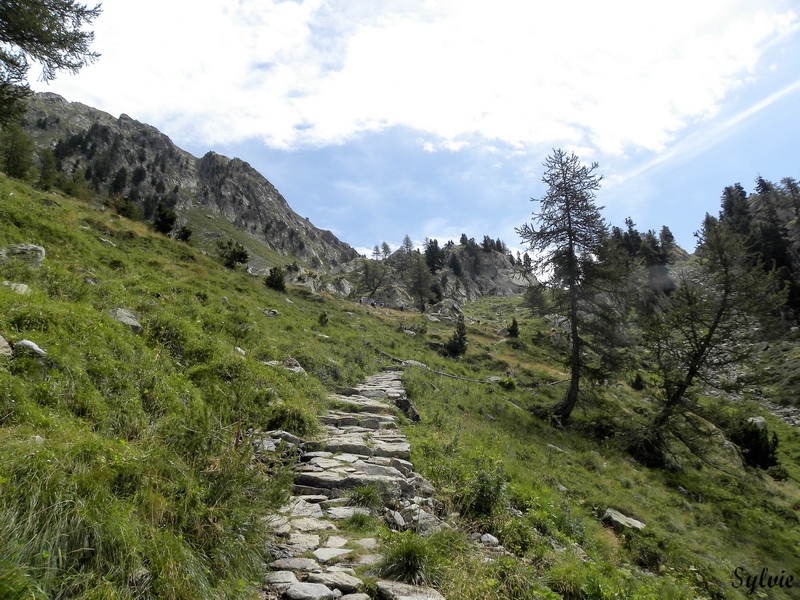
x,y
566,234
701,332
48,32
164,219
457,345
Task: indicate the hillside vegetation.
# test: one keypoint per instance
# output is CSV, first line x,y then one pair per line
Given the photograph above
x,y
126,472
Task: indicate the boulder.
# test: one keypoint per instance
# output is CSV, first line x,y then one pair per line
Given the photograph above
x,y
29,253
617,520
305,565
309,591
19,288
29,346
337,581
759,422
5,347
128,318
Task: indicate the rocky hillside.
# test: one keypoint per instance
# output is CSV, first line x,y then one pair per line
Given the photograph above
x,y
123,157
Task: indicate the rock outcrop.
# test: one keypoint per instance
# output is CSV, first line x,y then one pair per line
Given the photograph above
x,y
141,164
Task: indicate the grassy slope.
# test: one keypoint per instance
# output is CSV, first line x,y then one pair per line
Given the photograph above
x,y
122,473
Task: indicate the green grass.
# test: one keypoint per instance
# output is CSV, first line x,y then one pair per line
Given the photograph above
x,y
125,471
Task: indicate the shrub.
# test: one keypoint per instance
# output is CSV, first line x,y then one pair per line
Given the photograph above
x,y
486,491
275,279
183,234
638,382
164,219
457,345
232,253
417,560
758,447
513,329
368,496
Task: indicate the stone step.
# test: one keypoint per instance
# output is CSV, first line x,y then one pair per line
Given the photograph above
x,y
360,446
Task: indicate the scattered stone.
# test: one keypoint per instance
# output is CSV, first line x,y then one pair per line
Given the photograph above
x,y
29,253
311,524
5,347
106,242
759,422
340,513
304,565
616,519
337,581
336,541
394,590
29,346
489,540
326,555
300,543
19,288
368,544
281,580
271,312
128,318
309,591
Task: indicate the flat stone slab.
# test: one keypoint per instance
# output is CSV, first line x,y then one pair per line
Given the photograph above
x,y
322,480
301,508
394,590
336,541
368,544
349,446
300,543
311,524
339,513
355,597
281,580
392,450
304,565
325,555
337,581
309,591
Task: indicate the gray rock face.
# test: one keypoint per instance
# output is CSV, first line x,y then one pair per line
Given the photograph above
x,y
229,190
29,253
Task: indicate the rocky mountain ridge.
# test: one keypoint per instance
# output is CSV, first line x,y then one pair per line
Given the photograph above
x,y
135,161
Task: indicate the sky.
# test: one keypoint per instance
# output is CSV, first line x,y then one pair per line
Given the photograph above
x,y
432,118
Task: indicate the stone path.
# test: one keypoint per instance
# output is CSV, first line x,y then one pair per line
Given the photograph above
x,y
361,448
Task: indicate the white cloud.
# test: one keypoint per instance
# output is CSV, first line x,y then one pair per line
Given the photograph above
x,y
613,76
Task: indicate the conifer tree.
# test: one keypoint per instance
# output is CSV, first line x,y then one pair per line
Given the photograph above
x,y
566,235
48,32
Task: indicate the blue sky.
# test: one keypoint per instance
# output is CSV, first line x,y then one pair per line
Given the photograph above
x,y
433,117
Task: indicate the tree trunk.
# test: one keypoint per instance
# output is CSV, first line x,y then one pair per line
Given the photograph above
x,y
563,410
